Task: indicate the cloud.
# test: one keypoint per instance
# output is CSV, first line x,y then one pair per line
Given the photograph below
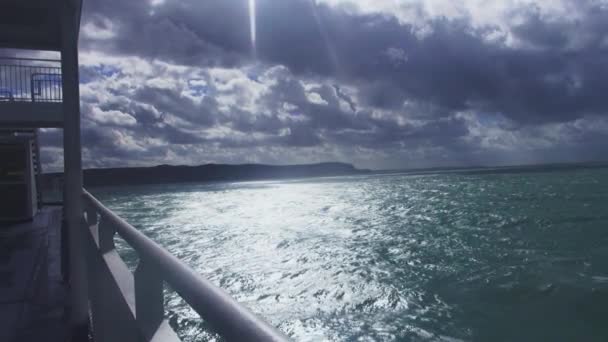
x,y
379,83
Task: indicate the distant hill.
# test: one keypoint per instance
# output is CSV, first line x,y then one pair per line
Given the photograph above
x,y
477,170
209,173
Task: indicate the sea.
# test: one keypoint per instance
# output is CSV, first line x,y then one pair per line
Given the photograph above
x,y
463,256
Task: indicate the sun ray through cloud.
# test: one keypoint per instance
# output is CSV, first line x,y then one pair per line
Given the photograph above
x,y
331,51
253,26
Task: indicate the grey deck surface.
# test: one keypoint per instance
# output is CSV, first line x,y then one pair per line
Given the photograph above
x,y
32,294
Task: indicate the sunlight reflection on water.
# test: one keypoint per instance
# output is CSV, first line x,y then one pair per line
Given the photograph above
x,y
445,257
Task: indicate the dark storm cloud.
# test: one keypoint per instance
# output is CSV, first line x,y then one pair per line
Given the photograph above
x,y
166,100
348,78
187,32
327,116
385,134
454,66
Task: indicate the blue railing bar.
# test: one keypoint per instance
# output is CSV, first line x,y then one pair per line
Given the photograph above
x,y
224,314
31,59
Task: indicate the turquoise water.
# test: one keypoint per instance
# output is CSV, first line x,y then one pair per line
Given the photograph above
x,y
450,257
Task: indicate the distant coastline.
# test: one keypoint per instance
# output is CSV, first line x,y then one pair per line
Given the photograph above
x,y
479,170
167,174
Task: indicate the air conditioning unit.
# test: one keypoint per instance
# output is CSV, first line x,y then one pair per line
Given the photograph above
x,y
18,196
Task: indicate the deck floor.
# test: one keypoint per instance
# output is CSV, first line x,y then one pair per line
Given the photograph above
x,y
32,292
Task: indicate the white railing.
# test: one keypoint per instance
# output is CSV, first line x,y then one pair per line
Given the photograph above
x,y
130,307
30,80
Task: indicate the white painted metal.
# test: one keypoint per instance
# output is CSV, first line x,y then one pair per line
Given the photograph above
x,y
30,93
28,114
119,300
227,317
79,299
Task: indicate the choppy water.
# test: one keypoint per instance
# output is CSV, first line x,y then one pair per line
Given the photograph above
x,y
499,257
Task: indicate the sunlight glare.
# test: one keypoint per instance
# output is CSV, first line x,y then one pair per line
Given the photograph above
x,y
331,52
252,24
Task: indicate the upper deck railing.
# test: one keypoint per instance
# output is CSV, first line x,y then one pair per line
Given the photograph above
x,y
30,80
130,307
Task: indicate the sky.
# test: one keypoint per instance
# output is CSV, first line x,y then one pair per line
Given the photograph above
x,y
382,84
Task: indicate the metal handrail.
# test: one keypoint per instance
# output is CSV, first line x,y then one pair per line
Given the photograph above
x,y
30,59
19,77
226,316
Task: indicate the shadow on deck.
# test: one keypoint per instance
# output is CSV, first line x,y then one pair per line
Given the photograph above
x,y
32,291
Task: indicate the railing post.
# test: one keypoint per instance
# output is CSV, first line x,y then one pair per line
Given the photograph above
x,y
79,297
149,299
112,316
105,235
32,88
131,307
91,215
